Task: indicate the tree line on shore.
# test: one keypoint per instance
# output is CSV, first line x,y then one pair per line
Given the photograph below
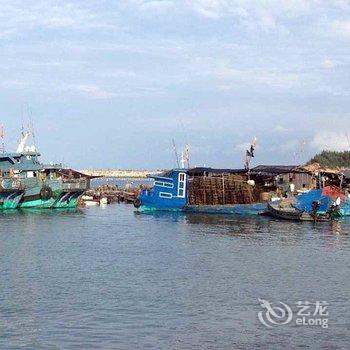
x,y
332,159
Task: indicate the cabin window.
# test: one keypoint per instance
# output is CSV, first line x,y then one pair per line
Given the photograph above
x,y
163,184
165,195
181,190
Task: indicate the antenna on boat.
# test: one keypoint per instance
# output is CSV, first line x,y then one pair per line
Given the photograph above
x,y
185,157
176,155
2,135
31,127
249,155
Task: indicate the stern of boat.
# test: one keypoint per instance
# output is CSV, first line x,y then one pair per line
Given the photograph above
x,y
72,190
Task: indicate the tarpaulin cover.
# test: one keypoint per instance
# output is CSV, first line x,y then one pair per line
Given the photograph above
x,y
325,196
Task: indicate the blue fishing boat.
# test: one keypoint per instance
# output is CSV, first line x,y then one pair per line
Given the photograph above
x,y
202,190
238,191
246,191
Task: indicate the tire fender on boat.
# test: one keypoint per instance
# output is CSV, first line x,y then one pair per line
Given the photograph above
x,y
46,193
137,203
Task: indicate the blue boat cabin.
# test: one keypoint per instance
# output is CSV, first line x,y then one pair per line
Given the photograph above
x,y
169,191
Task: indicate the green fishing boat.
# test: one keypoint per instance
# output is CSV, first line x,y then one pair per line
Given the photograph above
x,y
27,183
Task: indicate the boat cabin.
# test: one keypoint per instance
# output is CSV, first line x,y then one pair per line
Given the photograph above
x,y
169,191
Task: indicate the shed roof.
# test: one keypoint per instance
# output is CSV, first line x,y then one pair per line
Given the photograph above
x,y
201,170
274,169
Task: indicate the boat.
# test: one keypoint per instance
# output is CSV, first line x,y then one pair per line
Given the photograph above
x,y
11,192
238,191
216,191
258,190
28,183
202,190
323,204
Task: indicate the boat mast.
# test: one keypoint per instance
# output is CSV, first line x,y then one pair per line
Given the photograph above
x,y
176,155
22,144
185,157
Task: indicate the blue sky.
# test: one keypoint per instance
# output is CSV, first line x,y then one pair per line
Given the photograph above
x,y
110,83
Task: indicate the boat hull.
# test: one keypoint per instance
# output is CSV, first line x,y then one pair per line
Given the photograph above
x,y
289,213
68,200
10,199
345,208
61,195
242,209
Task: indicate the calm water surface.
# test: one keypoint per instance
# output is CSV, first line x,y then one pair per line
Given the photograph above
x,y
112,279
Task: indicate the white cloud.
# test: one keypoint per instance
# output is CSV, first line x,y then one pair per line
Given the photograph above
x,y
281,129
93,91
328,63
23,17
341,28
209,8
266,15
158,5
242,147
331,140
267,76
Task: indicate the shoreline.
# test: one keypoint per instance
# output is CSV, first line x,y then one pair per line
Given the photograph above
x,y
118,173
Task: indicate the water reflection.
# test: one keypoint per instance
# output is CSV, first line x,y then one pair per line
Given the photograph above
x,y
42,212
254,225
115,278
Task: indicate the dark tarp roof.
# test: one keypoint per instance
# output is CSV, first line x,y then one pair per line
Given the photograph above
x,y
274,169
201,170
260,169
75,173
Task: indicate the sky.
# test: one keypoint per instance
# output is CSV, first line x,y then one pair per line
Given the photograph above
x,y
109,84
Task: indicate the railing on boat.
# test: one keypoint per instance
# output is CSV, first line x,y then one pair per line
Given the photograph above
x,y
11,183
74,184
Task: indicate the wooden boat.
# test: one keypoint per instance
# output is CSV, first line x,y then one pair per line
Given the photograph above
x,y
284,212
316,205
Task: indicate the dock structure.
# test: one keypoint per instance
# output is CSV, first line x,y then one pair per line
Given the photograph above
x,y
119,173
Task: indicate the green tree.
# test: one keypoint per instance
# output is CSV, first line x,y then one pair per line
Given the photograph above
x,y
332,159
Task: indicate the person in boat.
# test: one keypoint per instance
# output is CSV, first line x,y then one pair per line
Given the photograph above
x,y
291,187
304,189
